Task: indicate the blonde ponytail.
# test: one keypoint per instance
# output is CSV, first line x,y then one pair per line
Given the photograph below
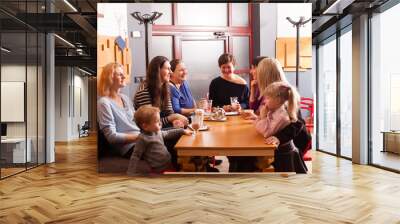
x,y
293,103
285,93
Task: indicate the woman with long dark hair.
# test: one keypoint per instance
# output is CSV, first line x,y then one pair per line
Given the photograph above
x,y
154,91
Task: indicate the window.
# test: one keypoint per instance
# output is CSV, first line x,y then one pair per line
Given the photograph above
x,y
346,93
385,89
327,96
22,74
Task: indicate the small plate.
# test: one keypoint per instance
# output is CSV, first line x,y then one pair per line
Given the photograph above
x,y
207,113
204,128
211,119
231,113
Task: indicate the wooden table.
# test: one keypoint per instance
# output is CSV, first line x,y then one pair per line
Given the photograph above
x,y
234,137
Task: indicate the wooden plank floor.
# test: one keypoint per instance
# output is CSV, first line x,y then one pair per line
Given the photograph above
x,y
71,191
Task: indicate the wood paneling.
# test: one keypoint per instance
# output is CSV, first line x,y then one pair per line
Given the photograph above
x,y
108,51
286,53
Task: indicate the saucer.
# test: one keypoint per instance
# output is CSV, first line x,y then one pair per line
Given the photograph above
x,y
231,113
212,119
204,128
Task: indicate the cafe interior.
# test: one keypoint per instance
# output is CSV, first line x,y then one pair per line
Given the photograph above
x,y
340,56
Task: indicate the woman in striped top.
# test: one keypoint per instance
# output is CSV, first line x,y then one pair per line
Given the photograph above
x,y
155,91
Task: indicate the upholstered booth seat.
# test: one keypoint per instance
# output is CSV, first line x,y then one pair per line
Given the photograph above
x,y
108,160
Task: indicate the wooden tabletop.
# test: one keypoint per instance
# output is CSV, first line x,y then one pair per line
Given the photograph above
x,y
234,137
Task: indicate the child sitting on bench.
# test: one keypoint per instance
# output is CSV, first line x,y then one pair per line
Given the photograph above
x,y
150,154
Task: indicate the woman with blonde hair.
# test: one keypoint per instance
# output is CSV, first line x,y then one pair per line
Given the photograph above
x,y
269,70
115,110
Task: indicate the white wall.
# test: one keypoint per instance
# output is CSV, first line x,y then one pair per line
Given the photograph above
x,y
113,21
14,73
137,45
80,83
294,11
61,104
268,29
33,127
273,24
17,73
68,83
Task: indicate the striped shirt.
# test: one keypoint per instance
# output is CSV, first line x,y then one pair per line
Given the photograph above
x,y
143,97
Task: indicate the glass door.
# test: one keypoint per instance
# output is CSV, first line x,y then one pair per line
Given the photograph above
x,y
22,68
201,72
385,89
327,93
13,103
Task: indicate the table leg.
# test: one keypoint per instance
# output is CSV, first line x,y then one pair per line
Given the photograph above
x,y
193,163
264,163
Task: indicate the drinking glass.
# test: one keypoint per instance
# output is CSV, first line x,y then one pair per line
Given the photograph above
x,y
209,106
196,122
203,104
234,103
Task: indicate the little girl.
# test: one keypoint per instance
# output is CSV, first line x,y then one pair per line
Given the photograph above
x,y
281,103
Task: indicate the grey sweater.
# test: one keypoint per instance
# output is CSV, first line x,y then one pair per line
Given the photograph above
x,y
150,153
116,122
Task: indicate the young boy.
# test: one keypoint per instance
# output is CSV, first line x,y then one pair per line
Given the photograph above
x,y
150,153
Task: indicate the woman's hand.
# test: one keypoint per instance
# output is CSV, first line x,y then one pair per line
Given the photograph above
x,y
249,115
263,111
272,140
178,124
230,108
227,108
253,83
131,138
178,120
236,107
